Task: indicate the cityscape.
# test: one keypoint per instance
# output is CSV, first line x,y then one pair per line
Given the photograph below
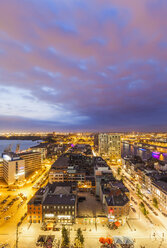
x,y
84,190
83,124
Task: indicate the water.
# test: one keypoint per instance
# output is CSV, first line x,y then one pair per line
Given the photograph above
x,y
128,149
24,144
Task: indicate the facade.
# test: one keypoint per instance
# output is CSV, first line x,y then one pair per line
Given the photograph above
x,y
32,161
117,206
41,148
159,191
34,206
35,212
110,146
60,208
1,169
66,176
72,167
13,169
56,203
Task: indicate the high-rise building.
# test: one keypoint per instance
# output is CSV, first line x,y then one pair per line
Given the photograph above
x,y
13,169
32,161
110,146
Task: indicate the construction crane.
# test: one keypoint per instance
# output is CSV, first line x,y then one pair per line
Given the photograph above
x,y
18,148
8,148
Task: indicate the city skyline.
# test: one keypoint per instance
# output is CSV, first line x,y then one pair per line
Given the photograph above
x,y
83,65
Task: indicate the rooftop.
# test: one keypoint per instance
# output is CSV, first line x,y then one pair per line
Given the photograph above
x,y
60,199
117,200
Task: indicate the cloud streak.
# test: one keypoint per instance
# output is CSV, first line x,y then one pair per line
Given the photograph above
x,y
88,65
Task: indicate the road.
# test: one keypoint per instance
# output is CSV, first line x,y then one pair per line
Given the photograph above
x,y
17,210
155,224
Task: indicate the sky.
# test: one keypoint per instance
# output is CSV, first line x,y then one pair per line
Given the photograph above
x,y
89,65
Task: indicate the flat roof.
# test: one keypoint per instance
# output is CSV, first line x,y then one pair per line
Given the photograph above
x,y
60,199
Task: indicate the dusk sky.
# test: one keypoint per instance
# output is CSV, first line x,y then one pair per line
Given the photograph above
x,y
83,65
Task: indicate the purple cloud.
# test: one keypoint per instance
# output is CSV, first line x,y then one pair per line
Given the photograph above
x,y
91,65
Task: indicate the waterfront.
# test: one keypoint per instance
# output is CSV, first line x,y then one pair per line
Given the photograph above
x,y
24,144
128,149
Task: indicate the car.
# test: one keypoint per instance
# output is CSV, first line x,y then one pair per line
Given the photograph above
x,y
4,245
57,229
80,199
155,213
7,217
134,210
164,214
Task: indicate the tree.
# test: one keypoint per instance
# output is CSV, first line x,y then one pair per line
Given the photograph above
x,y
78,244
138,190
143,209
118,170
142,205
65,238
79,240
80,236
155,202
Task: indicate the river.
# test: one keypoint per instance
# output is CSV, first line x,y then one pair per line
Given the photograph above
x,y
128,149
24,144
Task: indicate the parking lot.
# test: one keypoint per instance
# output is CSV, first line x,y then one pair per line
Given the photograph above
x,y
91,206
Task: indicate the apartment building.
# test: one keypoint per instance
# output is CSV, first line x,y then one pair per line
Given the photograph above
x,y
110,146
13,169
32,161
54,203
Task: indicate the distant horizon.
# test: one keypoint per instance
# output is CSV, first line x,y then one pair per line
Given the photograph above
x,y
74,132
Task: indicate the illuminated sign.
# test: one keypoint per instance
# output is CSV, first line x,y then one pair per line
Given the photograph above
x,y
111,210
64,216
49,215
7,157
20,173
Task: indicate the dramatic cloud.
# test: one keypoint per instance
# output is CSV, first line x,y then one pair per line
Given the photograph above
x,y
83,65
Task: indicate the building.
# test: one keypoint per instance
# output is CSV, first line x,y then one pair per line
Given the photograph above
x,y
32,161
117,206
72,167
41,148
56,203
60,208
34,206
1,168
110,146
13,169
159,191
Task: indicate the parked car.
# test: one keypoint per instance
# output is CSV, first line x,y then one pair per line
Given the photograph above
x,y
155,213
7,217
134,210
